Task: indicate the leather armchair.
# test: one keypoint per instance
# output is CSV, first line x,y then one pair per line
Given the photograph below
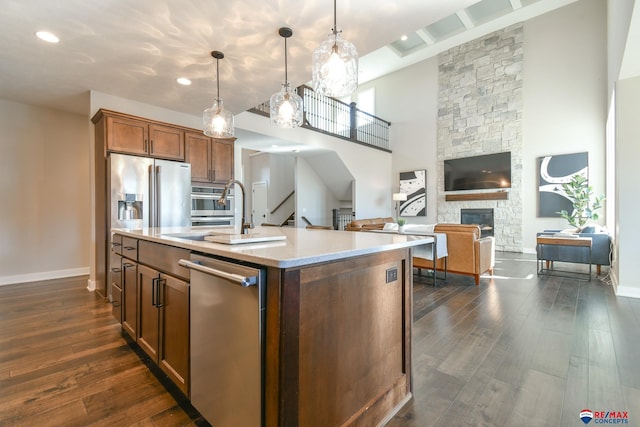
x,y
469,254
368,224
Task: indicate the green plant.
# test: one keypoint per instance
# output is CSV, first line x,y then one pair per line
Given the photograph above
x,y
401,221
581,194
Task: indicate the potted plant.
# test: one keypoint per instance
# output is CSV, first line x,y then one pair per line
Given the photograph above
x,y
584,203
400,222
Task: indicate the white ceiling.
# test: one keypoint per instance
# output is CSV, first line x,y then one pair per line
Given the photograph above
x,y
137,49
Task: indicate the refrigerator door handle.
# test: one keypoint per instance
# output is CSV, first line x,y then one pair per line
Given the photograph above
x,y
152,201
156,196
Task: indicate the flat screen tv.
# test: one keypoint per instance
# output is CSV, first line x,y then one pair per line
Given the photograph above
x,y
486,172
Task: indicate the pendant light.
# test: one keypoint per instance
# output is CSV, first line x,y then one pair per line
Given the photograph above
x,y
286,105
217,121
335,65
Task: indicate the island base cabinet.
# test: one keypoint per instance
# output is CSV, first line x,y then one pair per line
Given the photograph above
x,y
344,342
148,338
164,323
130,298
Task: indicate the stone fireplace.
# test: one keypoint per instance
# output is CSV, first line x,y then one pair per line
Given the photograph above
x,y
482,217
480,112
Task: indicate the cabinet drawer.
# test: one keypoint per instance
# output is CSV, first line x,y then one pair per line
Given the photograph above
x,y
130,248
116,302
163,258
116,244
116,270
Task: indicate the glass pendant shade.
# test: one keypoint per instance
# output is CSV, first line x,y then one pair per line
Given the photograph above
x,y
285,108
335,67
218,122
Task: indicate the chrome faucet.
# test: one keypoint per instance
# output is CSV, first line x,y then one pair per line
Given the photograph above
x,y
244,228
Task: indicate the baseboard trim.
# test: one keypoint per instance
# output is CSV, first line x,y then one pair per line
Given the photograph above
x,y
45,275
627,291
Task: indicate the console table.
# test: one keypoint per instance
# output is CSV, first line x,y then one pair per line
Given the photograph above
x,y
544,241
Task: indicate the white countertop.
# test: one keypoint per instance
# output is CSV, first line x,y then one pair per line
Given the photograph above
x,y
301,246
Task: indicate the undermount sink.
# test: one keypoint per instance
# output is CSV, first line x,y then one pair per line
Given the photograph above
x,y
227,238
193,235
234,239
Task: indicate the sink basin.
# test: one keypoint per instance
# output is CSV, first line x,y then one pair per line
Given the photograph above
x,y
192,235
234,239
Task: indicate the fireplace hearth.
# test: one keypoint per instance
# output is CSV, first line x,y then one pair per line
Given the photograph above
x,y
482,217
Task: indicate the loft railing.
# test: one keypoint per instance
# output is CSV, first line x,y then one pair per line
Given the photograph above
x,y
339,119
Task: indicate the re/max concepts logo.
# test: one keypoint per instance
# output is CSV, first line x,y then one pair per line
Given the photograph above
x,y
604,417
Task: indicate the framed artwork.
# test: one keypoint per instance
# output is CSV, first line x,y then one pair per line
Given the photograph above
x,y
414,185
553,171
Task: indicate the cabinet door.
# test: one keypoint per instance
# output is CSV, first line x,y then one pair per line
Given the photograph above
x,y
130,298
166,142
198,153
127,135
222,152
115,274
174,330
148,279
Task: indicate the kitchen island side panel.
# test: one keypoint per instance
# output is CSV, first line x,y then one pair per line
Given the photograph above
x,y
344,341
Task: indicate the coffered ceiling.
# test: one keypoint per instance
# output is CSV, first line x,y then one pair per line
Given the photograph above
x,y
137,49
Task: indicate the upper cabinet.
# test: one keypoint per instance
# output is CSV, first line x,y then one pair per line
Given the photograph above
x,y
132,135
211,158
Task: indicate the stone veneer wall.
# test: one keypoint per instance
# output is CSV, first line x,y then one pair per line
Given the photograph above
x,y
480,112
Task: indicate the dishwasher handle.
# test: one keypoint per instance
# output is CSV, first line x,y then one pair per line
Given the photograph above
x,y
235,278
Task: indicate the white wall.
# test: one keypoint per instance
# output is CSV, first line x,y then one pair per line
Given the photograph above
x,y
408,99
313,199
370,168
565,102
627,268
44,188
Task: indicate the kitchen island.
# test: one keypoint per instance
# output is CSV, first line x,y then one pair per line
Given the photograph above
x,y
336,338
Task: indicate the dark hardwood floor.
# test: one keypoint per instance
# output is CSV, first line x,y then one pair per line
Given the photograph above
x,y
517,350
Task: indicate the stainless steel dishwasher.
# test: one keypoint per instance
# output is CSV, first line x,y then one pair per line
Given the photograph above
x,y
227,341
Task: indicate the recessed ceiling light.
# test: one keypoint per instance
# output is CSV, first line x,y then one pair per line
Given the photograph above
x,y
404,38
47,36
183,81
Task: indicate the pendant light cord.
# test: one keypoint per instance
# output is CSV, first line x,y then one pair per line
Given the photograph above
x,y
286,79
218,76
335,20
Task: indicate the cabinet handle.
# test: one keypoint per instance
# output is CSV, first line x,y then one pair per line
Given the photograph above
x,y
213,175
158,293
153,291
151,148
129,248
126,265
116,244
116,270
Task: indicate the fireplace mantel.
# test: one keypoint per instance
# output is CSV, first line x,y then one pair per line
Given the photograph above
x,y
494,195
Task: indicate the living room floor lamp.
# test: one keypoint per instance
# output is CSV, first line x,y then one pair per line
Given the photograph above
x,y
399,197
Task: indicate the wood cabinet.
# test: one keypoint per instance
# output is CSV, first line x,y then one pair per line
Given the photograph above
x,y
211,158
116,286
130,297
164,322
163,294
132,135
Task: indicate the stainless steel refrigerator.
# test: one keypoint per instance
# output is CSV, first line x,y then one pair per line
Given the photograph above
x,y
145,192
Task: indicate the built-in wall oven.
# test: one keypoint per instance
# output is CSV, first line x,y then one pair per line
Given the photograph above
x,y
205,209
